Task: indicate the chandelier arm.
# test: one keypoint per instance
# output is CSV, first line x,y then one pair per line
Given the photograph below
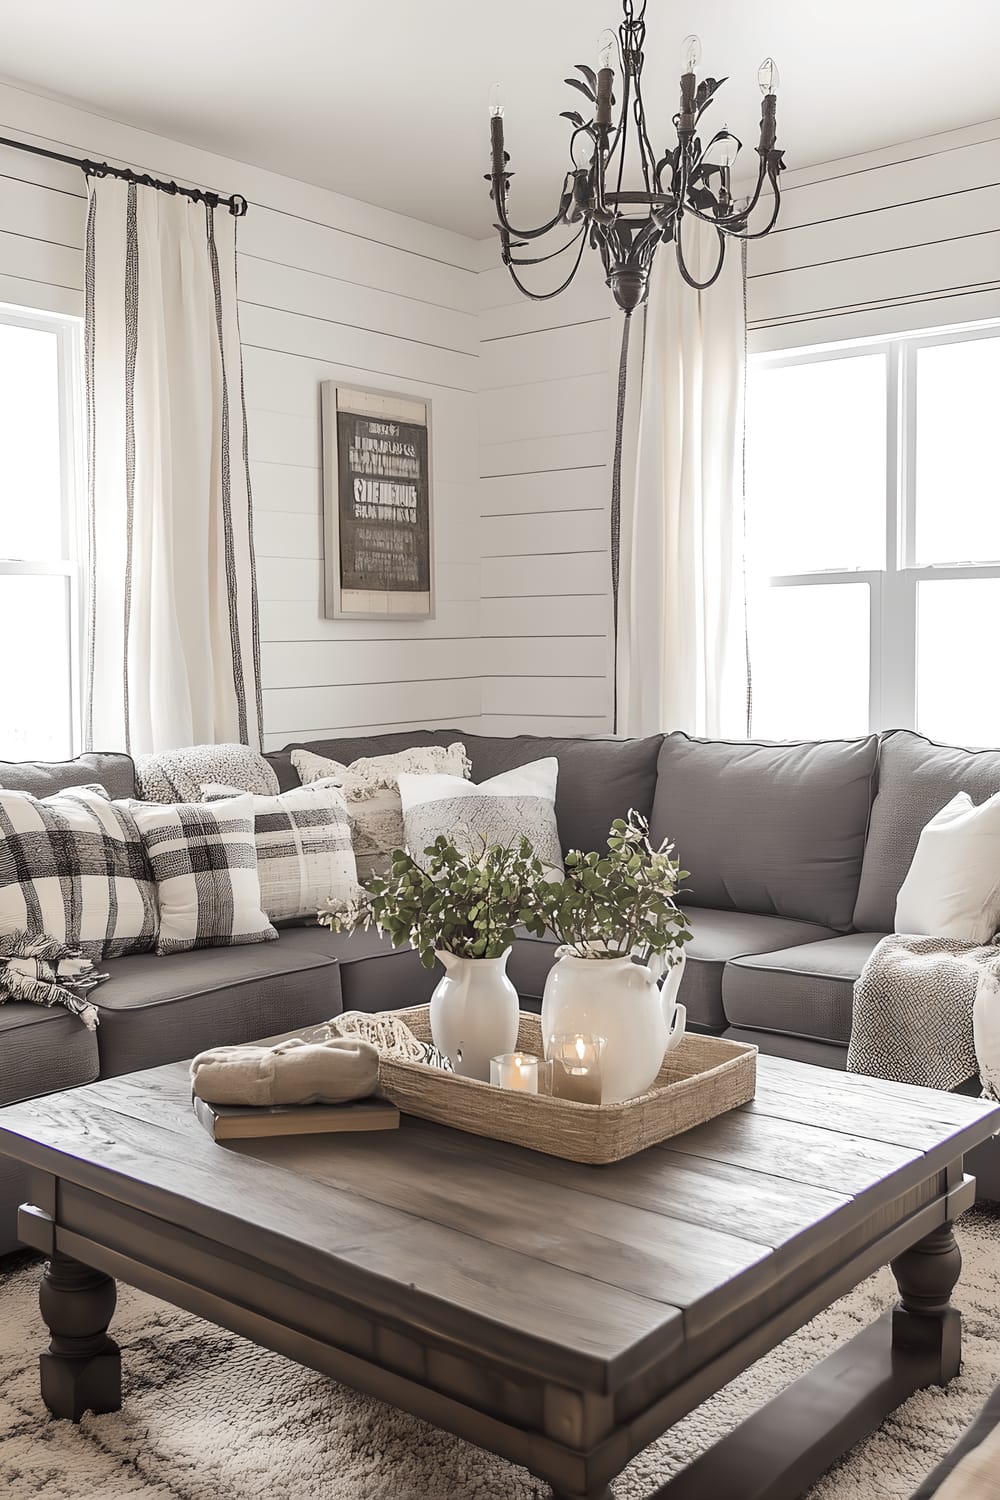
x,y
508,228
700,286
758,234
539,260
547,296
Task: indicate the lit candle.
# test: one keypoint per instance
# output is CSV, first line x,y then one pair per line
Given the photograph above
x,y
515,1070
576,1067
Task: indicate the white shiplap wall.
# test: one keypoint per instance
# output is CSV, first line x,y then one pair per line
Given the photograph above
x,y
903,238
329,288
545,412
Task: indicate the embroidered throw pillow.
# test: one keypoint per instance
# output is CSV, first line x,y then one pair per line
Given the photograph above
x,y
204,860
498,811
73,867
371,789
304,852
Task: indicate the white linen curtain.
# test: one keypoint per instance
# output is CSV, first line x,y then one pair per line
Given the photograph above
x,y
173,654
682,652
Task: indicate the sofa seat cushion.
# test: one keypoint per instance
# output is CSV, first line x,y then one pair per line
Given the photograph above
x,y
373,974
43,1049
157,1010
772,828
916,778
720,936
805,991
599,779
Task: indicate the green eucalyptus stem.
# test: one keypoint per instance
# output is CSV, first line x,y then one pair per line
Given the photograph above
x,y
471,900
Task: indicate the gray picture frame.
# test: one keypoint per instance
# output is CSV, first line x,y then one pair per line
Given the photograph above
x,y
372,603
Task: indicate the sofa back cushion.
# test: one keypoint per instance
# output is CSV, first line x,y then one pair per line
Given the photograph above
x,y
772,828
916,778
107,768
599,779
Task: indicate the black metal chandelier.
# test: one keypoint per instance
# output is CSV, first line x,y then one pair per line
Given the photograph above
x,y
627,225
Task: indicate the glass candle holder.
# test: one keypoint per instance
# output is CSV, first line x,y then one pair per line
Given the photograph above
x,y
515,1070
575,1059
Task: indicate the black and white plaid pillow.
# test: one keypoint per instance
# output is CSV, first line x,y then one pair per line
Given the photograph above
x,y
304,851
204,861
73,866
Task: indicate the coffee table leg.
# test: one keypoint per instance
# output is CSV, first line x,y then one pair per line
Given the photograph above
x,y
923,1320
81,1370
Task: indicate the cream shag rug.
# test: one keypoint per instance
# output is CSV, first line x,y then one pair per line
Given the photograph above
x,y
208,1416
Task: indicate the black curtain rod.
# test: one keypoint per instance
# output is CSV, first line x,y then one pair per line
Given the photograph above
x,y
236,204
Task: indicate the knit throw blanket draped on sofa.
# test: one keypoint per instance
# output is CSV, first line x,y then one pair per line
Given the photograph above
x,y
43,971
927,1012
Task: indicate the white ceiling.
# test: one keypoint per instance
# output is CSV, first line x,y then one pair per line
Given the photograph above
x,y
387,101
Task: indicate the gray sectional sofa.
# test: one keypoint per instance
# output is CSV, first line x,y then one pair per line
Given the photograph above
x,y
796,853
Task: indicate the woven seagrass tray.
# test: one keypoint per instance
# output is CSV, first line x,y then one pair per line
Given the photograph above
x,y
702,1078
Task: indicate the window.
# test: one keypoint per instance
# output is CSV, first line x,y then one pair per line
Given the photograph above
x,y
873,538
39,512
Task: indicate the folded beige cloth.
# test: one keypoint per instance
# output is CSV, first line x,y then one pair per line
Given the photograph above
x,y
977,1477
293,1072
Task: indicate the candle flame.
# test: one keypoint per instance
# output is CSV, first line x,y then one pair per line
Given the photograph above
x,y
581,1048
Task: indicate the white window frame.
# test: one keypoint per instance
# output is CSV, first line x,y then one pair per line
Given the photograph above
x,y
892,697
69,344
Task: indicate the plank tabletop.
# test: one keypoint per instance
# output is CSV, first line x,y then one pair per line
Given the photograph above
x,y
598,1266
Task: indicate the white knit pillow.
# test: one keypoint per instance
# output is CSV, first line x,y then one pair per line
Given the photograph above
x,y
498,811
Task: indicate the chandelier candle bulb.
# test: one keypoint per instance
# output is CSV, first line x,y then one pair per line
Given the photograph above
x,y
515,1070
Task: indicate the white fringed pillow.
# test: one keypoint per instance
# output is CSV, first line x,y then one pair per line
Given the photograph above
x,y
371,789
952,888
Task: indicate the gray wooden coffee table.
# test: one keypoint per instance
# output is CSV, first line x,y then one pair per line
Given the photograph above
x,y
561,1315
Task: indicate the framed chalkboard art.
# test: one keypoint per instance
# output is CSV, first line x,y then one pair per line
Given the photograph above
x,y
377,497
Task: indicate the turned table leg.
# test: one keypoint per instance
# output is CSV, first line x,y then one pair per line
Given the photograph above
x,y
81,1370
923,1320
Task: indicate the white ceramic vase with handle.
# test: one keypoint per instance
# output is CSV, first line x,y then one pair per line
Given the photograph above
x,y
624,1002
474,1013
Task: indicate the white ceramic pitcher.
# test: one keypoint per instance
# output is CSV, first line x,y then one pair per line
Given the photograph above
x,y
623,1001
474,1013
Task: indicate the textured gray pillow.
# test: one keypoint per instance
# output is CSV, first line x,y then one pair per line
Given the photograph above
x,y
916,778
772,828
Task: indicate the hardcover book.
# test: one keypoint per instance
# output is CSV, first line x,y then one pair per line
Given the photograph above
x,y
236,1122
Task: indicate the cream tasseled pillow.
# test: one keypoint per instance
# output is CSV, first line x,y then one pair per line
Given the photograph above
x,y
371,790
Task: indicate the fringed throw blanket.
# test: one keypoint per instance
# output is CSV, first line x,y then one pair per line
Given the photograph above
x,y
927,1012
177,775
44,971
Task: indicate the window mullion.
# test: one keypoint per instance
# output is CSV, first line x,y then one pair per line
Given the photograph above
x,y
897,645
